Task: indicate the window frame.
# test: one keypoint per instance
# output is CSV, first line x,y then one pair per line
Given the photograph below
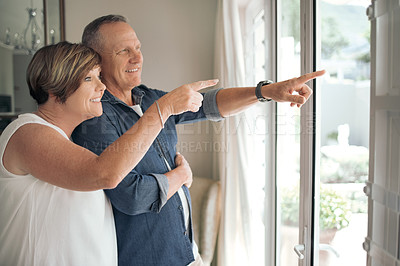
x,y
270,142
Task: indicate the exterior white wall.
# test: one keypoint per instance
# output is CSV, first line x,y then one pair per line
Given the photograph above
x,y
177,39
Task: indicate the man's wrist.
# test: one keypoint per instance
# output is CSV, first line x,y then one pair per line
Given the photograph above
x,y
259,86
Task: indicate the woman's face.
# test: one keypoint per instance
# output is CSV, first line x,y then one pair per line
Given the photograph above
x,y
85,101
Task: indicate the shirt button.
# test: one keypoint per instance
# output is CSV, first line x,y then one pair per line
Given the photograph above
x,y
180,208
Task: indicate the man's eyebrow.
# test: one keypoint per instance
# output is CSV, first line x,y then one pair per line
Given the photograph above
x,y
106,52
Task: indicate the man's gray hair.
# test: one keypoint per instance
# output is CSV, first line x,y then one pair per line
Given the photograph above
x,y
91,36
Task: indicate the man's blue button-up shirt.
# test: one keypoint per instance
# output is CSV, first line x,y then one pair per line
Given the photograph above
x,y
150,229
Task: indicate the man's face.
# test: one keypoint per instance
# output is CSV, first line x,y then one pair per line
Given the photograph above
x,y
122,58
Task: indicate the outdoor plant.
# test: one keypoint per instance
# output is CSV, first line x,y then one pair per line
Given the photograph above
x,y
334,210
290,206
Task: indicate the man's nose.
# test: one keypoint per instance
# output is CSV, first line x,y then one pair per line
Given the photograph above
x,y
136,55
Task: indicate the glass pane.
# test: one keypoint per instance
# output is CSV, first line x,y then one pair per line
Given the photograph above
x,y
259,46
257,141
253,123
21,34
22,25
344,134
53,26
288,136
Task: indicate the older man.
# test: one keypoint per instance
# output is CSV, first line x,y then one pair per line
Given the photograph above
x,y
153,222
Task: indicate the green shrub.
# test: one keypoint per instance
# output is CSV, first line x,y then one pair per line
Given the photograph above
x,y
334,209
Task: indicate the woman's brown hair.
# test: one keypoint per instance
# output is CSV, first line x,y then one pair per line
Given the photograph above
x,y
59,69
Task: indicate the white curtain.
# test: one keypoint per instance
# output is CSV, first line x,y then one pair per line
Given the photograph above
x,y
237,243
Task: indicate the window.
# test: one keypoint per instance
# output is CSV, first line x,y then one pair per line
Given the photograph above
x,y
340,144
344,131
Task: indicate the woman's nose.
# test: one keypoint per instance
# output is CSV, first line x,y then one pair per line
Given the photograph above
x,y
100,86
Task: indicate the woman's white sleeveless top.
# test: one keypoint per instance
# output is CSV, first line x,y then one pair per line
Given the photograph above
x,y
41,224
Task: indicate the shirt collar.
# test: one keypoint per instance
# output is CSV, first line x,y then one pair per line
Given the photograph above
x,y
137,95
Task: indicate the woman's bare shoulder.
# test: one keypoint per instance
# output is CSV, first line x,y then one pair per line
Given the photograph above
x,y
27,143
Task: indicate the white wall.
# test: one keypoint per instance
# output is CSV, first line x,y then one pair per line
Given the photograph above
x,y
177,39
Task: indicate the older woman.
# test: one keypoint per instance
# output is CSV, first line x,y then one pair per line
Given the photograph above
x,y
46,217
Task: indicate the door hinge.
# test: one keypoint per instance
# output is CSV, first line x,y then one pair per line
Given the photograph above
x,y
368,189
371,11
367,244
